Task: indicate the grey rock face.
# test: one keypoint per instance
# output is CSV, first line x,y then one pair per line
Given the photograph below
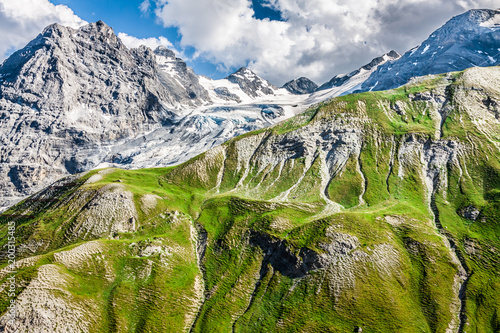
x,y
225,94
63,67
467,40
250,83
70,93
67,96
179,79
301,85
164,52
470,212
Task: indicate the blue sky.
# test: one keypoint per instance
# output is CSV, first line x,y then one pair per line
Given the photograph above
x,y
278,39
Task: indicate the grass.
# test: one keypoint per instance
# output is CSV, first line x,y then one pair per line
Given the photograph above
x,y
244,291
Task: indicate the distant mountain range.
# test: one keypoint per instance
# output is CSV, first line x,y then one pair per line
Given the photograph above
x,y
76,99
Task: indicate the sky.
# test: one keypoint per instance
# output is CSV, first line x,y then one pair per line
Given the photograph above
x,y
278,39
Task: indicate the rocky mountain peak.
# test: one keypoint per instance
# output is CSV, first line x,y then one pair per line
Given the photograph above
x,y
389,56
64,67
246,73
164,52
101,32
468,24
393,54
474,17
55,30
244,70
251,83
81,90
302,85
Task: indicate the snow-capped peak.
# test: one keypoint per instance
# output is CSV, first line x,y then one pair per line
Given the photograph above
x,y
466,40
493,22
251,83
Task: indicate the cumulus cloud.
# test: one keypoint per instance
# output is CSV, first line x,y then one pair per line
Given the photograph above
x,y
317,38
151,42
23,20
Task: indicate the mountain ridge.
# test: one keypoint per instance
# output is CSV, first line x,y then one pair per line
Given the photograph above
x,y
465,41
340,80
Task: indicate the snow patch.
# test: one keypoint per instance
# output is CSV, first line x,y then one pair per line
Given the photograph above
x,y
426,48
210,85
376,83
493,22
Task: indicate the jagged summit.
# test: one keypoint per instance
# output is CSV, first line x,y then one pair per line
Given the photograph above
x,y
251,83
467,40
244,73
164,51
393,54
389,56
64,67
302,85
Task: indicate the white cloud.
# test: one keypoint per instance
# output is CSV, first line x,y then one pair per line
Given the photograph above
x,y
151,42
144,6
23,20
318,38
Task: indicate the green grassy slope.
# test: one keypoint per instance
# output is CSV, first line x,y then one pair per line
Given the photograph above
x,y
375,210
